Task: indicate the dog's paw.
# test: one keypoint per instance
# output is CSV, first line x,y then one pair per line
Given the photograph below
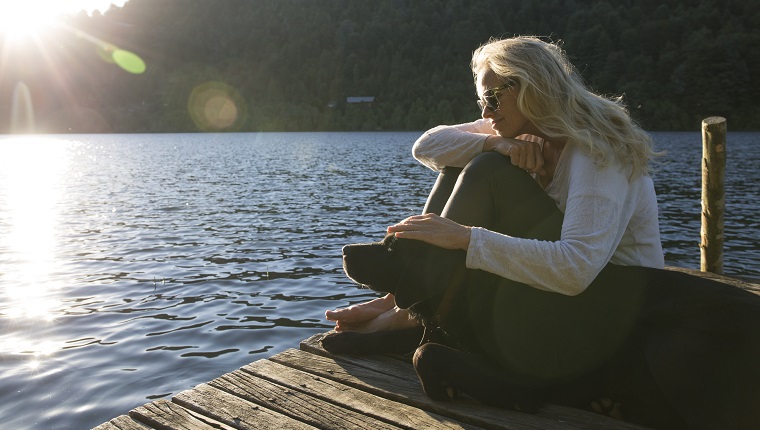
x,y
342,343
441,391
608,407
394,341
452,393
530,406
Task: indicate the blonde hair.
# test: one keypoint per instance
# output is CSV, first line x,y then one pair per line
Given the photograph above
x,y
554,98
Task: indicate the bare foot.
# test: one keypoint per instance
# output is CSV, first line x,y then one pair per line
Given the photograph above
x,y
392,319
362,312
376,315
609,407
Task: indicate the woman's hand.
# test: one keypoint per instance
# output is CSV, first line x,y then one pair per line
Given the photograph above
x,y
524,154
434,230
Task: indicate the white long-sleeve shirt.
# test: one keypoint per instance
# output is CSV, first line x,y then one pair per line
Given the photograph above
x,y
608,218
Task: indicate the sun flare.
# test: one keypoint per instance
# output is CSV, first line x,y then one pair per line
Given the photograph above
x,y
19,20
28,18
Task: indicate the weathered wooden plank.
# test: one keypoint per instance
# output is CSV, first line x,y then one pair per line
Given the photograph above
x,y
555,413
122,422
409,391
296,404
234,411
313,344
405,371
368,404
586,419
400,387
391,365
165,415
749,284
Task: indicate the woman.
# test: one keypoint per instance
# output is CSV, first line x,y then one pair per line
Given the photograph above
x,y
573,195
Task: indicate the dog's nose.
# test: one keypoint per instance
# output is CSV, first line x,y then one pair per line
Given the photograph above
x,y
346,249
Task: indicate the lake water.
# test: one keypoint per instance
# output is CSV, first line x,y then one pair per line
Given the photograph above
x,y
133,267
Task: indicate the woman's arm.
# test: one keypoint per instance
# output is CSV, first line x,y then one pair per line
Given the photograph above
x,y
594,223
456,145
451,145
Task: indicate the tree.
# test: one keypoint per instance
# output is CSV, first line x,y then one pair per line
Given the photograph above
x,y
288,60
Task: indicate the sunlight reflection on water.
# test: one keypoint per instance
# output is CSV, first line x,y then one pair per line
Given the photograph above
x,y
32,172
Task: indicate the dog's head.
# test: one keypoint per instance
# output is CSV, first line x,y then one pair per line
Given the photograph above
x,y
409,269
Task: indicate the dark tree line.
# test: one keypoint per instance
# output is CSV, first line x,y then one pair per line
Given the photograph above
x,y
290,65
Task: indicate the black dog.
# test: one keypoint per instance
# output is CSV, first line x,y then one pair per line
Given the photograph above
x,y
673,350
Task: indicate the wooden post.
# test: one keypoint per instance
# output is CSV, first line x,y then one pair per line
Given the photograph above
x,y
713,194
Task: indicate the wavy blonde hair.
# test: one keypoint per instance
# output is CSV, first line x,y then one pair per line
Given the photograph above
x,y
553,96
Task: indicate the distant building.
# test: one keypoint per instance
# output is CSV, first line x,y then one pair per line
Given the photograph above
x,y
353,100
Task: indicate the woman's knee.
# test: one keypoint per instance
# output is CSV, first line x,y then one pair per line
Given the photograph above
x,y
487,164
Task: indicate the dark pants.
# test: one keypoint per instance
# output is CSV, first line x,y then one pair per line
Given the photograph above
x,y
541,335
492,193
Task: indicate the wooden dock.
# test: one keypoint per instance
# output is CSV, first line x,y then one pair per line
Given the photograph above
x,y
309,388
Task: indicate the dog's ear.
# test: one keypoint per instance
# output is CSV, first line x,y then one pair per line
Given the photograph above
x,y
427,271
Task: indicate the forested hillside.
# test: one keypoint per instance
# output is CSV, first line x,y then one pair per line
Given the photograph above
x,y
290,65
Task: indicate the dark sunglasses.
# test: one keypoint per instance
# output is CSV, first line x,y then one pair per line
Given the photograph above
x,y
490,98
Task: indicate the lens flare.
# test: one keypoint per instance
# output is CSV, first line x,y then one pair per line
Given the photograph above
x,y
216,106
22,110
110,53
129,61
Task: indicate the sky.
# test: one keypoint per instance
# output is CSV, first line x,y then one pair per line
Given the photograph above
x,y
28,18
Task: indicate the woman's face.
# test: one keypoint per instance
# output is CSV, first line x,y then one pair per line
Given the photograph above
x,y
507,120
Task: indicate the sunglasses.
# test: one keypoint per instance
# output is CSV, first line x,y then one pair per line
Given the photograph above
x,y
490,98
